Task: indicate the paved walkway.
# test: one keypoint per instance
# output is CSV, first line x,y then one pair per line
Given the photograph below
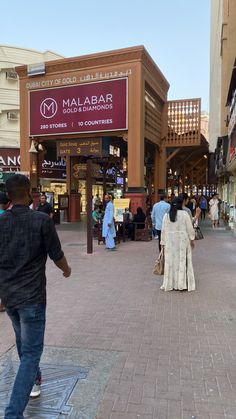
x,y
176,350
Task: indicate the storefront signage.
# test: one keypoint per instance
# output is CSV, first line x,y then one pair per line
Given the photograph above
x,y
90,107
80,171
231,153
87,147
9,159
62,81
232,122
119,208
53,169
105,75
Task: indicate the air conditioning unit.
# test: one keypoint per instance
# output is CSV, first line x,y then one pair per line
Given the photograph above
x,y
11,75
36,69
12,116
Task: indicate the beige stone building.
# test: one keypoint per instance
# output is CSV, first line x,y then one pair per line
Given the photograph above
x,y
11,57
205,125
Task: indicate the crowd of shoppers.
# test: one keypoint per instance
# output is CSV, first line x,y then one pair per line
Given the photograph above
x,y
177,224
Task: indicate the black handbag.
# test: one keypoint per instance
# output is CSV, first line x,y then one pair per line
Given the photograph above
x,y
198,233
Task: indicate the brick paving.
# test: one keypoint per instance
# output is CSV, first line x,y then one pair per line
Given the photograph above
x,y
177,350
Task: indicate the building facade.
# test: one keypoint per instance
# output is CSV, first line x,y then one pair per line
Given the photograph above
x,y
110,108
215,74
222,88
11,57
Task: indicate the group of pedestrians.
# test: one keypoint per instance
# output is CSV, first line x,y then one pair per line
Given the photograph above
x,y
175,225
104,219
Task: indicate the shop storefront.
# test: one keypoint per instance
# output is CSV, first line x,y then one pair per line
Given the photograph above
x,y
228,183
109,108
51,172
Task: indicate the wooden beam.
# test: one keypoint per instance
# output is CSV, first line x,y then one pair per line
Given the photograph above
x,y
197,162
186,158
172,155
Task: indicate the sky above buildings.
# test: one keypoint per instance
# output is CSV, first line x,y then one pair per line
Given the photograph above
x,y
176,33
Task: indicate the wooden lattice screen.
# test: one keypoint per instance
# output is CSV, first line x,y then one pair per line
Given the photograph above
x,y
153,113
184,123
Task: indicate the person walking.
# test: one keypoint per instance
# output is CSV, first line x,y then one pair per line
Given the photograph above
x,y
185,198
44,206
219,208
158,211
27,238
214,210
108,225
177,238
4,202
203,206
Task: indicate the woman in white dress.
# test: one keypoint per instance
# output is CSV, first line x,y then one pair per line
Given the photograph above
x,y
177,237
214,210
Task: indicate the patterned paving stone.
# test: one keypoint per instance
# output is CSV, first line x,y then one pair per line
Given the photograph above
x,y
58,385
68,391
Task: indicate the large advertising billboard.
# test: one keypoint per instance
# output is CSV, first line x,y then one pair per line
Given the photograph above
x,y
90,107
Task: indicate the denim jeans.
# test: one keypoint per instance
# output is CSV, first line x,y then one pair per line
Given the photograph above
x,y
29,326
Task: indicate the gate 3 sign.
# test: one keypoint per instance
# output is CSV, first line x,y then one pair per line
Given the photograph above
x,y
86,147
90,107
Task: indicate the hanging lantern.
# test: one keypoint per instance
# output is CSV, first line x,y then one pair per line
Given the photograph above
x,y
33,148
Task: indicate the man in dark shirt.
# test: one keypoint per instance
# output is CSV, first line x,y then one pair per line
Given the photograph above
x,y
44,206
27,238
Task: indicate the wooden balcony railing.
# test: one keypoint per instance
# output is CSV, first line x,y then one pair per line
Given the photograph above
x,y
184,123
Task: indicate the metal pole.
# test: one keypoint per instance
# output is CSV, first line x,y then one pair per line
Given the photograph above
x,y
89,206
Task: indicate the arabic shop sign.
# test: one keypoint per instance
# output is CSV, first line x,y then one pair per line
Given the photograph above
x,y
89,77
89,107
9,159
88,147
53,169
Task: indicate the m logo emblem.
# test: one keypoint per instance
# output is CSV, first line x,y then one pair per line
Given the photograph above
x,y
48,107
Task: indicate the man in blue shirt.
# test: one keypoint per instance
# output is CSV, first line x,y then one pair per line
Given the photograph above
x,y
158,211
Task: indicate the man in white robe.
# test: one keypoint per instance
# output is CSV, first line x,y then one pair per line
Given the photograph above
x,y
108,225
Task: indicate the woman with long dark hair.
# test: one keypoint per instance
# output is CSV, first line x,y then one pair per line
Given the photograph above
x,y
177,237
